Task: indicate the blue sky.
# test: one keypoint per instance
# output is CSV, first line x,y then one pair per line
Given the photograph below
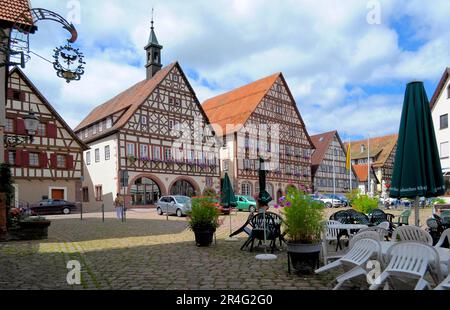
x,y
345,73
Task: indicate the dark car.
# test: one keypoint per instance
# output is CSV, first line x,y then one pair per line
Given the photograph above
x,y
53,206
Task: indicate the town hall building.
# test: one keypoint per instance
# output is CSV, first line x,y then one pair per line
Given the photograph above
x,y
157,133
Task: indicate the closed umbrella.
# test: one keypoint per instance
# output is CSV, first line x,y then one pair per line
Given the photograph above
x,y
417,167
263,201
227,198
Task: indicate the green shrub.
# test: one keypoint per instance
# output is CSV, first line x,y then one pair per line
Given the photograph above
x,y
303,217
364,204
204,213
352,196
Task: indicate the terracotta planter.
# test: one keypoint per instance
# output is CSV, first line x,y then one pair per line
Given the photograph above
x,y
305,258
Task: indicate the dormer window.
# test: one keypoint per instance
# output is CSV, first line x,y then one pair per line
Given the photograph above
x,y
363,148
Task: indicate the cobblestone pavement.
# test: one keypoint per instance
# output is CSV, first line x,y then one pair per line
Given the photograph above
x,y
145,252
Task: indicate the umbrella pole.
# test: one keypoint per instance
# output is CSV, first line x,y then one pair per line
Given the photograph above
x,y
231,231
416,211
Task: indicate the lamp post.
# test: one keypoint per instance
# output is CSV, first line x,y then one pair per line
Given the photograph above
x,y
31,125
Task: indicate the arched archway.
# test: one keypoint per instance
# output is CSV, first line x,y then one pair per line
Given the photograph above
x,y
144,191
184,187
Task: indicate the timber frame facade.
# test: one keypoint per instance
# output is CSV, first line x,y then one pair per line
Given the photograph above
x,y
52,165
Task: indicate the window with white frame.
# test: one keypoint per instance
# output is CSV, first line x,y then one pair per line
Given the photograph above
x,y
109,122
246,189
100,126
246,163
107,152
88,158
444,150
33,159
168,153
12,157
97,155
144,120
94,129
157,152
61,161
85,133
130,149
143,150
9,125
41,130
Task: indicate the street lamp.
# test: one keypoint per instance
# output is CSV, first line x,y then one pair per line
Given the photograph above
x,y
31,126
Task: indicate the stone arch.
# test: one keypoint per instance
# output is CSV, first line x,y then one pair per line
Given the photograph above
x,y
189,180
153,177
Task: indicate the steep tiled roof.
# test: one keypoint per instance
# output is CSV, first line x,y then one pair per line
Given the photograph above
x,y
439,87
362,171
380,146
236,106
47,104
10,10
127,101
321,142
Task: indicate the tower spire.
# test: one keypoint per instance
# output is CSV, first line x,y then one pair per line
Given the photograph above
x,y
153,52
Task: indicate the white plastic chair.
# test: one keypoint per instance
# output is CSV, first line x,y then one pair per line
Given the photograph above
x,y
355,260
445,234
445,285
330,235
410,260
366,234
384,225
381,231
412,233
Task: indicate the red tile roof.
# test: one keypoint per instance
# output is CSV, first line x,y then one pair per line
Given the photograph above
x,y
127,101
379,146
235,107
362,172
11,10
321,142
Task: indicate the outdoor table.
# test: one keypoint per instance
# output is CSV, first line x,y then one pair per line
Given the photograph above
x,y
346,229
444,253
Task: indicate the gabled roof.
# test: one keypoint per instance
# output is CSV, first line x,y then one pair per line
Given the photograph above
x,y
48,105
127,101
321,142
439,88
11,10
380,147
362,172
236,106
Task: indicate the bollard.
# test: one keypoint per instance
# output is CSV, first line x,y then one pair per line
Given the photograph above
x,y
81,212
103,212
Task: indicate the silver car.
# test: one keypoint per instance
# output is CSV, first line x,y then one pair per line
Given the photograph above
x,y
179,205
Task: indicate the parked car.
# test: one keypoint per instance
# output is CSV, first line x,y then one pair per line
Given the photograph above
x,y
179,205
341,198
53,206
331,202
222,209
246,203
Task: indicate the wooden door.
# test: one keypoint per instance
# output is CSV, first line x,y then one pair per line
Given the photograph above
x,y
58,194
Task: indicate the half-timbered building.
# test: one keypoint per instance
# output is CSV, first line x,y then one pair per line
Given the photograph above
x,y
380,152
261,119
157,132
51,166
366,185
329,165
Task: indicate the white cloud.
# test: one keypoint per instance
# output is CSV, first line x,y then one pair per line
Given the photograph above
x,y
326,50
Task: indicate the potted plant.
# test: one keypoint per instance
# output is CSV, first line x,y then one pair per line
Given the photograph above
x,y
303,223
203,219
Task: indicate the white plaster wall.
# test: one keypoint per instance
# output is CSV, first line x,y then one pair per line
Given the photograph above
x,y
441,107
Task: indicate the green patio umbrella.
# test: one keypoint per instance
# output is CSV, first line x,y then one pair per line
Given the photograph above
x,y
417,167
227,198
263,197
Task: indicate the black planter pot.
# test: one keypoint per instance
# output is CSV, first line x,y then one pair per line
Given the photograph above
x,y
31,230
204,237
305,258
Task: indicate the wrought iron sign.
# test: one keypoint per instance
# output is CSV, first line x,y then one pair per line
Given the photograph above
x,y
68,61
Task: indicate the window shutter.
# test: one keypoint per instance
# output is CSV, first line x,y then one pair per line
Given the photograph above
x,y
22,96
20,124
25,159
51,130
69,162
18,157
9,93
43,160
53,161
6,156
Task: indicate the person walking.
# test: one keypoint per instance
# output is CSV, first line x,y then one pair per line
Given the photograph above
x,y
118,203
